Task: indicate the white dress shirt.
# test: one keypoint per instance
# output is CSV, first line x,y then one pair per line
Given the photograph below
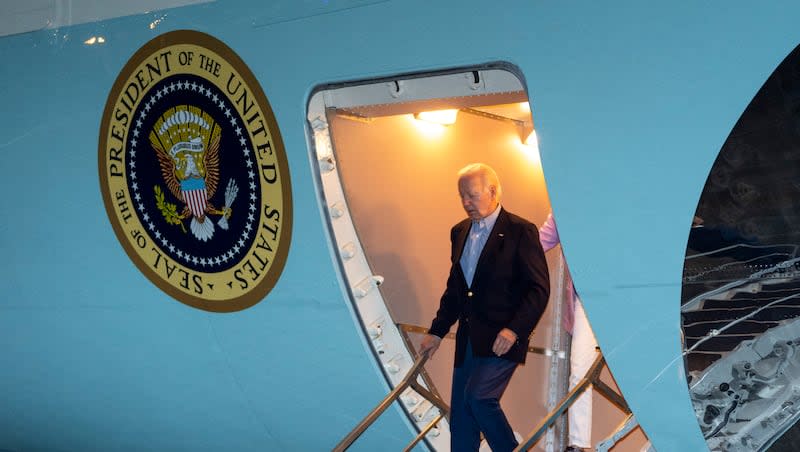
x,y
478,235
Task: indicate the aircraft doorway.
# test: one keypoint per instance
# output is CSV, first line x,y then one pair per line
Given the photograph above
x,y
388,179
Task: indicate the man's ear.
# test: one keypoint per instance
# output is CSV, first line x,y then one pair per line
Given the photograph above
x,y
493,191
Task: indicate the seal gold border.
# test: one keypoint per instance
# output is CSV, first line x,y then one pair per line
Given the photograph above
x,y
257,292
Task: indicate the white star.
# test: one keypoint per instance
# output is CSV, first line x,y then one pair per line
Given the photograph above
x,y
133,152
133,163
133,175
158,234
136,132
194,86
150,225
146,217
250,217
172,86
248,226
140,206
171,248
252,185
202,90
147,107
180,253
245,151
253,196
158,94
215,98
239,131
249,163
236,248
217,260
139,122
230,254
240,242
203,261
137,197
252,207
135,187
251,174
164,241
194,260
233,121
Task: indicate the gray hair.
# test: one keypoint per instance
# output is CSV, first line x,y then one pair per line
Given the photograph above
x,y
487,174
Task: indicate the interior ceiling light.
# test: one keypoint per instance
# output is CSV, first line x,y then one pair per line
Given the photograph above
x,y
525,106
531,147
443,117
532,139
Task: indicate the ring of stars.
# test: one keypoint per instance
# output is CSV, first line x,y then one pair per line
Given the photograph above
x,y
192,256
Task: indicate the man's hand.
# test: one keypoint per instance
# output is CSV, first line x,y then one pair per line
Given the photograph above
x,y
505,339
430,343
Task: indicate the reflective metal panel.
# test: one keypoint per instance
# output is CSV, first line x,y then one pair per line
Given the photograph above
x,y
740,303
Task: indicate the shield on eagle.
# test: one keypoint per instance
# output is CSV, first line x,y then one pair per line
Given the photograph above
x,y
186,141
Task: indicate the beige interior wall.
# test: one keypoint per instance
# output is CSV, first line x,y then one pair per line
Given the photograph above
x,y
399,177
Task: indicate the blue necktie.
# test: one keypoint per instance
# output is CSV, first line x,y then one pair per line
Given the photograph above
x,y
472,252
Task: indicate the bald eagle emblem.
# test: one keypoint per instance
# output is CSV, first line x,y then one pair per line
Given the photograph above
x,y
186,141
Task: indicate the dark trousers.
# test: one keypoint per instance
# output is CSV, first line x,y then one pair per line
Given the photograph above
x,y
475,404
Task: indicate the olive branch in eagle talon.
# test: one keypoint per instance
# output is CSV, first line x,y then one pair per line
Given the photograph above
x,y
168,210
186,141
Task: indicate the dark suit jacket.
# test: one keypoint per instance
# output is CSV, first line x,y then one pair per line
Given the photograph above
x,y
509,290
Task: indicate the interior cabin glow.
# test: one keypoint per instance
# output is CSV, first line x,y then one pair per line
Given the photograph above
x,y
443,117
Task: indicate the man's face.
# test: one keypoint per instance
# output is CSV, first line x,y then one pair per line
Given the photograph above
x,y
478,200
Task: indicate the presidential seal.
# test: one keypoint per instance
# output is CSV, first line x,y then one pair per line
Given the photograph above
x,y
194,174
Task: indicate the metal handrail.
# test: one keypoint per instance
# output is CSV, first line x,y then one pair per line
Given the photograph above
x,y
410,380
423,373
592,377
622,431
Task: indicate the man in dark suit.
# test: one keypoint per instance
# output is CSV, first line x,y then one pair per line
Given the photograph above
x,y
497,290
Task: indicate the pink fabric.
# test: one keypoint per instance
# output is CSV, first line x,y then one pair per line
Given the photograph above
x,y
548,235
